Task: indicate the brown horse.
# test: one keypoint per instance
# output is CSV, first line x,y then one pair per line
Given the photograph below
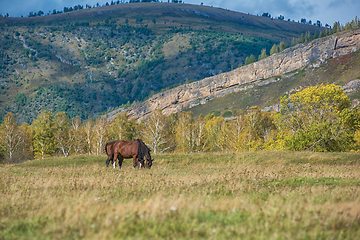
x,y
125,149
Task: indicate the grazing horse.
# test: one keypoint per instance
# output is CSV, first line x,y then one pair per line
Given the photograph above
x,y
125,149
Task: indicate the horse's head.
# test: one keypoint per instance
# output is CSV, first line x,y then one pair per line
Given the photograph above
x,y
149,160
149,163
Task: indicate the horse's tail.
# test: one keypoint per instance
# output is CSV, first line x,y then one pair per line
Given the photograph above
x,y
106,148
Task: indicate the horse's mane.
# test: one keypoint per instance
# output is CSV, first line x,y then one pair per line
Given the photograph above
x,y
148,149
141,154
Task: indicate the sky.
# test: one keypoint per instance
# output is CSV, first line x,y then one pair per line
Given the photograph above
x,y
327,11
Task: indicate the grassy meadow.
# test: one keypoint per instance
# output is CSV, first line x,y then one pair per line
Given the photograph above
x,y
257,195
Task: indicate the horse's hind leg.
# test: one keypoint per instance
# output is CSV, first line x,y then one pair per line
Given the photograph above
x,y
115,156
108,160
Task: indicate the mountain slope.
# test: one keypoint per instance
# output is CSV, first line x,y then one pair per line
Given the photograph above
x,y
276,68
93,60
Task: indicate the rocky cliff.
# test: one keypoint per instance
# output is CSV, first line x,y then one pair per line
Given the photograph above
x,y
190,95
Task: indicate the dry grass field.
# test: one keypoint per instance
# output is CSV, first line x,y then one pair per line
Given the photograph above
x,y
260,195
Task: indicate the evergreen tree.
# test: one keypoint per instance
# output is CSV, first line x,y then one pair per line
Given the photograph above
x,y
282,46
263,54
274,49
250,59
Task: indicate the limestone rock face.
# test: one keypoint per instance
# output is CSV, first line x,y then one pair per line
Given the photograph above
x,y
192,94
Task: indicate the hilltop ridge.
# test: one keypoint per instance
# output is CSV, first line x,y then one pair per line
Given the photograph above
x,y
181,16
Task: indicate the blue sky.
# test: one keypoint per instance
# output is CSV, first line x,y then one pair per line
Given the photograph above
x,y
327,11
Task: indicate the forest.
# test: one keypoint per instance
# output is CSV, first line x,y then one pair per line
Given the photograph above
x,y
318,118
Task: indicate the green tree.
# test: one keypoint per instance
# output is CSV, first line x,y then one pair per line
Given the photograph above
x,y
263,54
318,118
250,59
27,146
121,128
43,135
282,46
274,49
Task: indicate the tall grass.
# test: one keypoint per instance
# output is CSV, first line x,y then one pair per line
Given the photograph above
x,y
273,195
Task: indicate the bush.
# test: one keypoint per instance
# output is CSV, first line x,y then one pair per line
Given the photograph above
x,y
227,114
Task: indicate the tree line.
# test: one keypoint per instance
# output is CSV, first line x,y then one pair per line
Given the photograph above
x,y
318,118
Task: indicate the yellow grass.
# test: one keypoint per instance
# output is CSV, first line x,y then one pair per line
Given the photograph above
x,y
210,196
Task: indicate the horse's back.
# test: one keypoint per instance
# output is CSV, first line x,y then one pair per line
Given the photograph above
x,y
127,149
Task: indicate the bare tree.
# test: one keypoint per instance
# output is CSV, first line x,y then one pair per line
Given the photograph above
x,y
156,132
77,135
88,132
64,140
99,136
11,136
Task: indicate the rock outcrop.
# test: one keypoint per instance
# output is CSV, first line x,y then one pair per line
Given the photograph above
x,y
192,94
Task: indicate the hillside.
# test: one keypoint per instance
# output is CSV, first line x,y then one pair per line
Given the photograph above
x,y
263,82
342,70
93,60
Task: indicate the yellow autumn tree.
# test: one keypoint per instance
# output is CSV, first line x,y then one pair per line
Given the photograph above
x,y
318,118
122,128
216,133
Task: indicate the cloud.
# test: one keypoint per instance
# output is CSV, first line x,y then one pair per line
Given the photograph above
x,y
290,9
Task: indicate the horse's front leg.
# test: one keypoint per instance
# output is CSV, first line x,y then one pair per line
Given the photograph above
x,y
141,163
